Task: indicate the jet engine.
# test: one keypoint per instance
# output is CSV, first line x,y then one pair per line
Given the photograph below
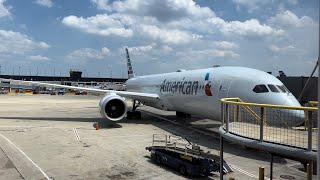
x,y
113,107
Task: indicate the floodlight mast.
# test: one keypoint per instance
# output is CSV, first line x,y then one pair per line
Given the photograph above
x,y
318,157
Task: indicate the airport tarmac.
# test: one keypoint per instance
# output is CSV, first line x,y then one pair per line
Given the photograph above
x,y
52,137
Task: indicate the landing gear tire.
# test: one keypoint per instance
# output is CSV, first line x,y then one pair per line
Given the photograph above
x,y
133,115
158,160
183,170
181,115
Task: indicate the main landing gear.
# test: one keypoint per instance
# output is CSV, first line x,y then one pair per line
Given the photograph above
x,y
134,114
182,115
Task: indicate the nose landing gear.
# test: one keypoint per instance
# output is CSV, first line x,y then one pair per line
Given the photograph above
x,y
134,114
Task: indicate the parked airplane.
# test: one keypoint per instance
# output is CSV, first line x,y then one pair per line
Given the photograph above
x,y
190,92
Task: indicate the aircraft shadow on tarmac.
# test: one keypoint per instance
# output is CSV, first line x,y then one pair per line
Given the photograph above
x,y
203,140
103,125
53,119
191,135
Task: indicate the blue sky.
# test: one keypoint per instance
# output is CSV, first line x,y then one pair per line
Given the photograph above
x,y
52,36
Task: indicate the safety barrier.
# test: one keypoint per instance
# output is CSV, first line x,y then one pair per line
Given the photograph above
x,y
282,125
313,103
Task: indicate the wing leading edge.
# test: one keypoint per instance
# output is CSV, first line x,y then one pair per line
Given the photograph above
x,y
127,94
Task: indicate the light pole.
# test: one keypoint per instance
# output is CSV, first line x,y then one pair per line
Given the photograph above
x,y
318,160
85,73
108,67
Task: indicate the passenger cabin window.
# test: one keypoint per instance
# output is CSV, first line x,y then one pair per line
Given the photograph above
x,y
273,88
260,89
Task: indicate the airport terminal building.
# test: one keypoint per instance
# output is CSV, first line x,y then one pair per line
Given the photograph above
x,y
75,79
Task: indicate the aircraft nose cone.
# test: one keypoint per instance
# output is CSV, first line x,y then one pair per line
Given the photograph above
x,y
290,100
295,117
286,118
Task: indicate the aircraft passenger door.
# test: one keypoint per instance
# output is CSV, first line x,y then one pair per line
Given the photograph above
x,y
224,88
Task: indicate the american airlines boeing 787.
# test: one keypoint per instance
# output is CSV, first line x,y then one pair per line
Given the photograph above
x,y
190,92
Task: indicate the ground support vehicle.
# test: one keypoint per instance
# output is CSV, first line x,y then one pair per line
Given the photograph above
x,y
187,158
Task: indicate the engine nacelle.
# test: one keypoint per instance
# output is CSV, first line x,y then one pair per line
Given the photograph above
x,y
113,107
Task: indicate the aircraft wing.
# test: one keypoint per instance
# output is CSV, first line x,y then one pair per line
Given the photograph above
x,y
127,94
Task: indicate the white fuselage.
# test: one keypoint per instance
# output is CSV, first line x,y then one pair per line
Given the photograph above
x,y
199,91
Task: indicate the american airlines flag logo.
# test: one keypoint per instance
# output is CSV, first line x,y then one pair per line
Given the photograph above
x,y
130,71
207,86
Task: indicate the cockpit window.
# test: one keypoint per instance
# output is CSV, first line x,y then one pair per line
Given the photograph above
x,y
282,88
285,88
261,88
273,88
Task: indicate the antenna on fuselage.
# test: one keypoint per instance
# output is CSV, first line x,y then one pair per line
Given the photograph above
x,y
129,66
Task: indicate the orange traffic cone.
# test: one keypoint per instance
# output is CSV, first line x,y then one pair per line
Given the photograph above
x,y
97,126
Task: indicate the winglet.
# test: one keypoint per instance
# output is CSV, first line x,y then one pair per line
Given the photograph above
x,y
129,66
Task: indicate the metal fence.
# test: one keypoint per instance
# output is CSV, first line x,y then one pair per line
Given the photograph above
x,y
289,126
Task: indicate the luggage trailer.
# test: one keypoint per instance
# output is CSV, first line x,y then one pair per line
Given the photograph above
x,y
188,158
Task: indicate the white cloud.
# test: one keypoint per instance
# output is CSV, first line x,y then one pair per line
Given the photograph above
x,y
289,19
257,5
102,4
88,53
166,49
226,45
277,49
251,4
101,24
220,53
38,58
17,43
151,50
174,36
294,2
46,3
168,22
4,11
250,27
164,10
140,50
209,53
114,25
